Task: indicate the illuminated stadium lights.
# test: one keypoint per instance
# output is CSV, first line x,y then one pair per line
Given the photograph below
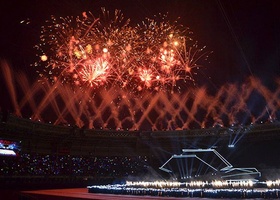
x,y
9,147
7,152
198,184
215,189
272,184
157,184
234,184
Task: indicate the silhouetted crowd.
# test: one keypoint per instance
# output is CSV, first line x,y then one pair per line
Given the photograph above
x,y
43,165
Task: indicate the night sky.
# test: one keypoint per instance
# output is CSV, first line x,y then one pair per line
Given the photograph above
x,y
243,35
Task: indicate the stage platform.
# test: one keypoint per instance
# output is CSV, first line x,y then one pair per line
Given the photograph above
x,y
81,193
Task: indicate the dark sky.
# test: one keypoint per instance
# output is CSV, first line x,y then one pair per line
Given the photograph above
x,y
243,35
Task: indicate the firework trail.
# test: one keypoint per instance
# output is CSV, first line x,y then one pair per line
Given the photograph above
x,y
88,51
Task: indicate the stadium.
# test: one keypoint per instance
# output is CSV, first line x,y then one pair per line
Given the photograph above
x,y
117,107
48,156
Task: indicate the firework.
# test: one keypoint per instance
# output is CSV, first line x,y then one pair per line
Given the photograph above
x,y
89,51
